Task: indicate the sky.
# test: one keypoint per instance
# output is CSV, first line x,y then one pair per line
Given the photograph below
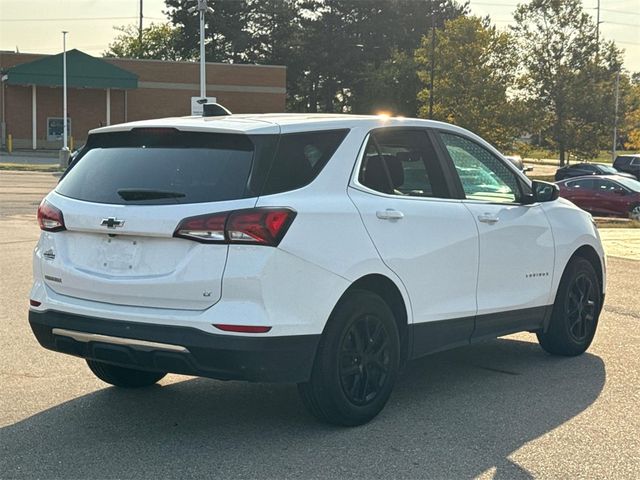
x,y
34,26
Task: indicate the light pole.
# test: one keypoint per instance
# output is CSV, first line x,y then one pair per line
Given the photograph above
x,y
615,119
202,8
64,152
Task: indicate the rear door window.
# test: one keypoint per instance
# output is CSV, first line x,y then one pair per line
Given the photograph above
x,y
402,162
586,184
161,166
622,162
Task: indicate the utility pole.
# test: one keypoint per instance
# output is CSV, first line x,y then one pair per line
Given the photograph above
x,y
432,66
202,8
140,29
64,152
598,27
615,119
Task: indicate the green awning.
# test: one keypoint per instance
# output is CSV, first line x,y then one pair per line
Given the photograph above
x,y
83,71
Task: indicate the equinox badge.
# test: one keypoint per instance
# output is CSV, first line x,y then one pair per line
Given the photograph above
x,y
111,222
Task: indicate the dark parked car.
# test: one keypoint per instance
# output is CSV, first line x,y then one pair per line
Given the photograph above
x,y
629,164
604,195
580,169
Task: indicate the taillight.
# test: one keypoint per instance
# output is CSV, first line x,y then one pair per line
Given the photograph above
x,y
203,228
256,226
50,218
261,225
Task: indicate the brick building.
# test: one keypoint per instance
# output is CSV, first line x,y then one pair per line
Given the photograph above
x,y
104,91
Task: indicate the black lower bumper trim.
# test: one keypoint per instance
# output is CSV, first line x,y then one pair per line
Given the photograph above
x,y
225,357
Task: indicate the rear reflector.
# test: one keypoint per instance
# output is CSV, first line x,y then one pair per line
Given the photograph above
x,y
50,218
35,303
242,328
256,226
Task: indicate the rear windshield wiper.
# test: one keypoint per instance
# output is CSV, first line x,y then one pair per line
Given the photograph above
x,y
131,194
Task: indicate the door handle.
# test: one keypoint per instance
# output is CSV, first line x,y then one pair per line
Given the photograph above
x,y
489,218
389,214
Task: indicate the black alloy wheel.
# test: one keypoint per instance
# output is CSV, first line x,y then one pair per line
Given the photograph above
x,y
365,359
356,363
581,307
576,310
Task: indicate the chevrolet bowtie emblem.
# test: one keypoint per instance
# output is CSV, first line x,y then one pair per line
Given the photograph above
x,y
111,222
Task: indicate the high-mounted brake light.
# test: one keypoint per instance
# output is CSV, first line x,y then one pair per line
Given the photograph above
x,y
242,328
50,218
256,226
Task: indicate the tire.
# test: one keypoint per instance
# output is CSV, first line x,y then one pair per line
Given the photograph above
x,y
574,318
123,377
356,363
634,212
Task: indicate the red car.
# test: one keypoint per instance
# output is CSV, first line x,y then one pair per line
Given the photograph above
x,y
604,195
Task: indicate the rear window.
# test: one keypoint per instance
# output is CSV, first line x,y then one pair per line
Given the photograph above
x,y
160,166
622,161
152,166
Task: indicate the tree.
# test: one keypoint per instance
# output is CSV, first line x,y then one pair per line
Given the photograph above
x,y
474,68
227,21
361,52
392,86
159,41
567,73
334,50
244,31
631,124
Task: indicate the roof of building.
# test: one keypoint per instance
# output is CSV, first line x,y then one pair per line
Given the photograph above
x,y
83,71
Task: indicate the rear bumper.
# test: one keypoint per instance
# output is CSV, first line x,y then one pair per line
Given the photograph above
x,y
175,349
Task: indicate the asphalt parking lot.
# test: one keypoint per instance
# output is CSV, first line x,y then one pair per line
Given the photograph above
x,y
502,409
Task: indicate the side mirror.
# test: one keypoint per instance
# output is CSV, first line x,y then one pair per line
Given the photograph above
x,y
544,191
619,191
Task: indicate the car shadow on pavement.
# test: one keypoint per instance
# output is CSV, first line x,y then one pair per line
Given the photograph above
x,y
455,414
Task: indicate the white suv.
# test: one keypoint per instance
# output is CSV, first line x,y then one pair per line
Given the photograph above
x,y
325,250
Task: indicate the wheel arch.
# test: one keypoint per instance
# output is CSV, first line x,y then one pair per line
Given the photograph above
x,y
591,255
387,289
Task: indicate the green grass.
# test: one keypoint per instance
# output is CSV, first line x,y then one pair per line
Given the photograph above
x,y
540,153
542,178
30,167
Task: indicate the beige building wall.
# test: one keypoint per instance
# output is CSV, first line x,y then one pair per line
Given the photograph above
x,y
164,90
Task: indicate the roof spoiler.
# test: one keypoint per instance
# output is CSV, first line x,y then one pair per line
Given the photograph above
x,y
214,110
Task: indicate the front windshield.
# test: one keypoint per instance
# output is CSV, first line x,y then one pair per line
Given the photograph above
x,y
608,169
630,183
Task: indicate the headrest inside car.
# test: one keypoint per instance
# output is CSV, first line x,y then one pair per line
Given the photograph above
x,y
413,156
375,176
